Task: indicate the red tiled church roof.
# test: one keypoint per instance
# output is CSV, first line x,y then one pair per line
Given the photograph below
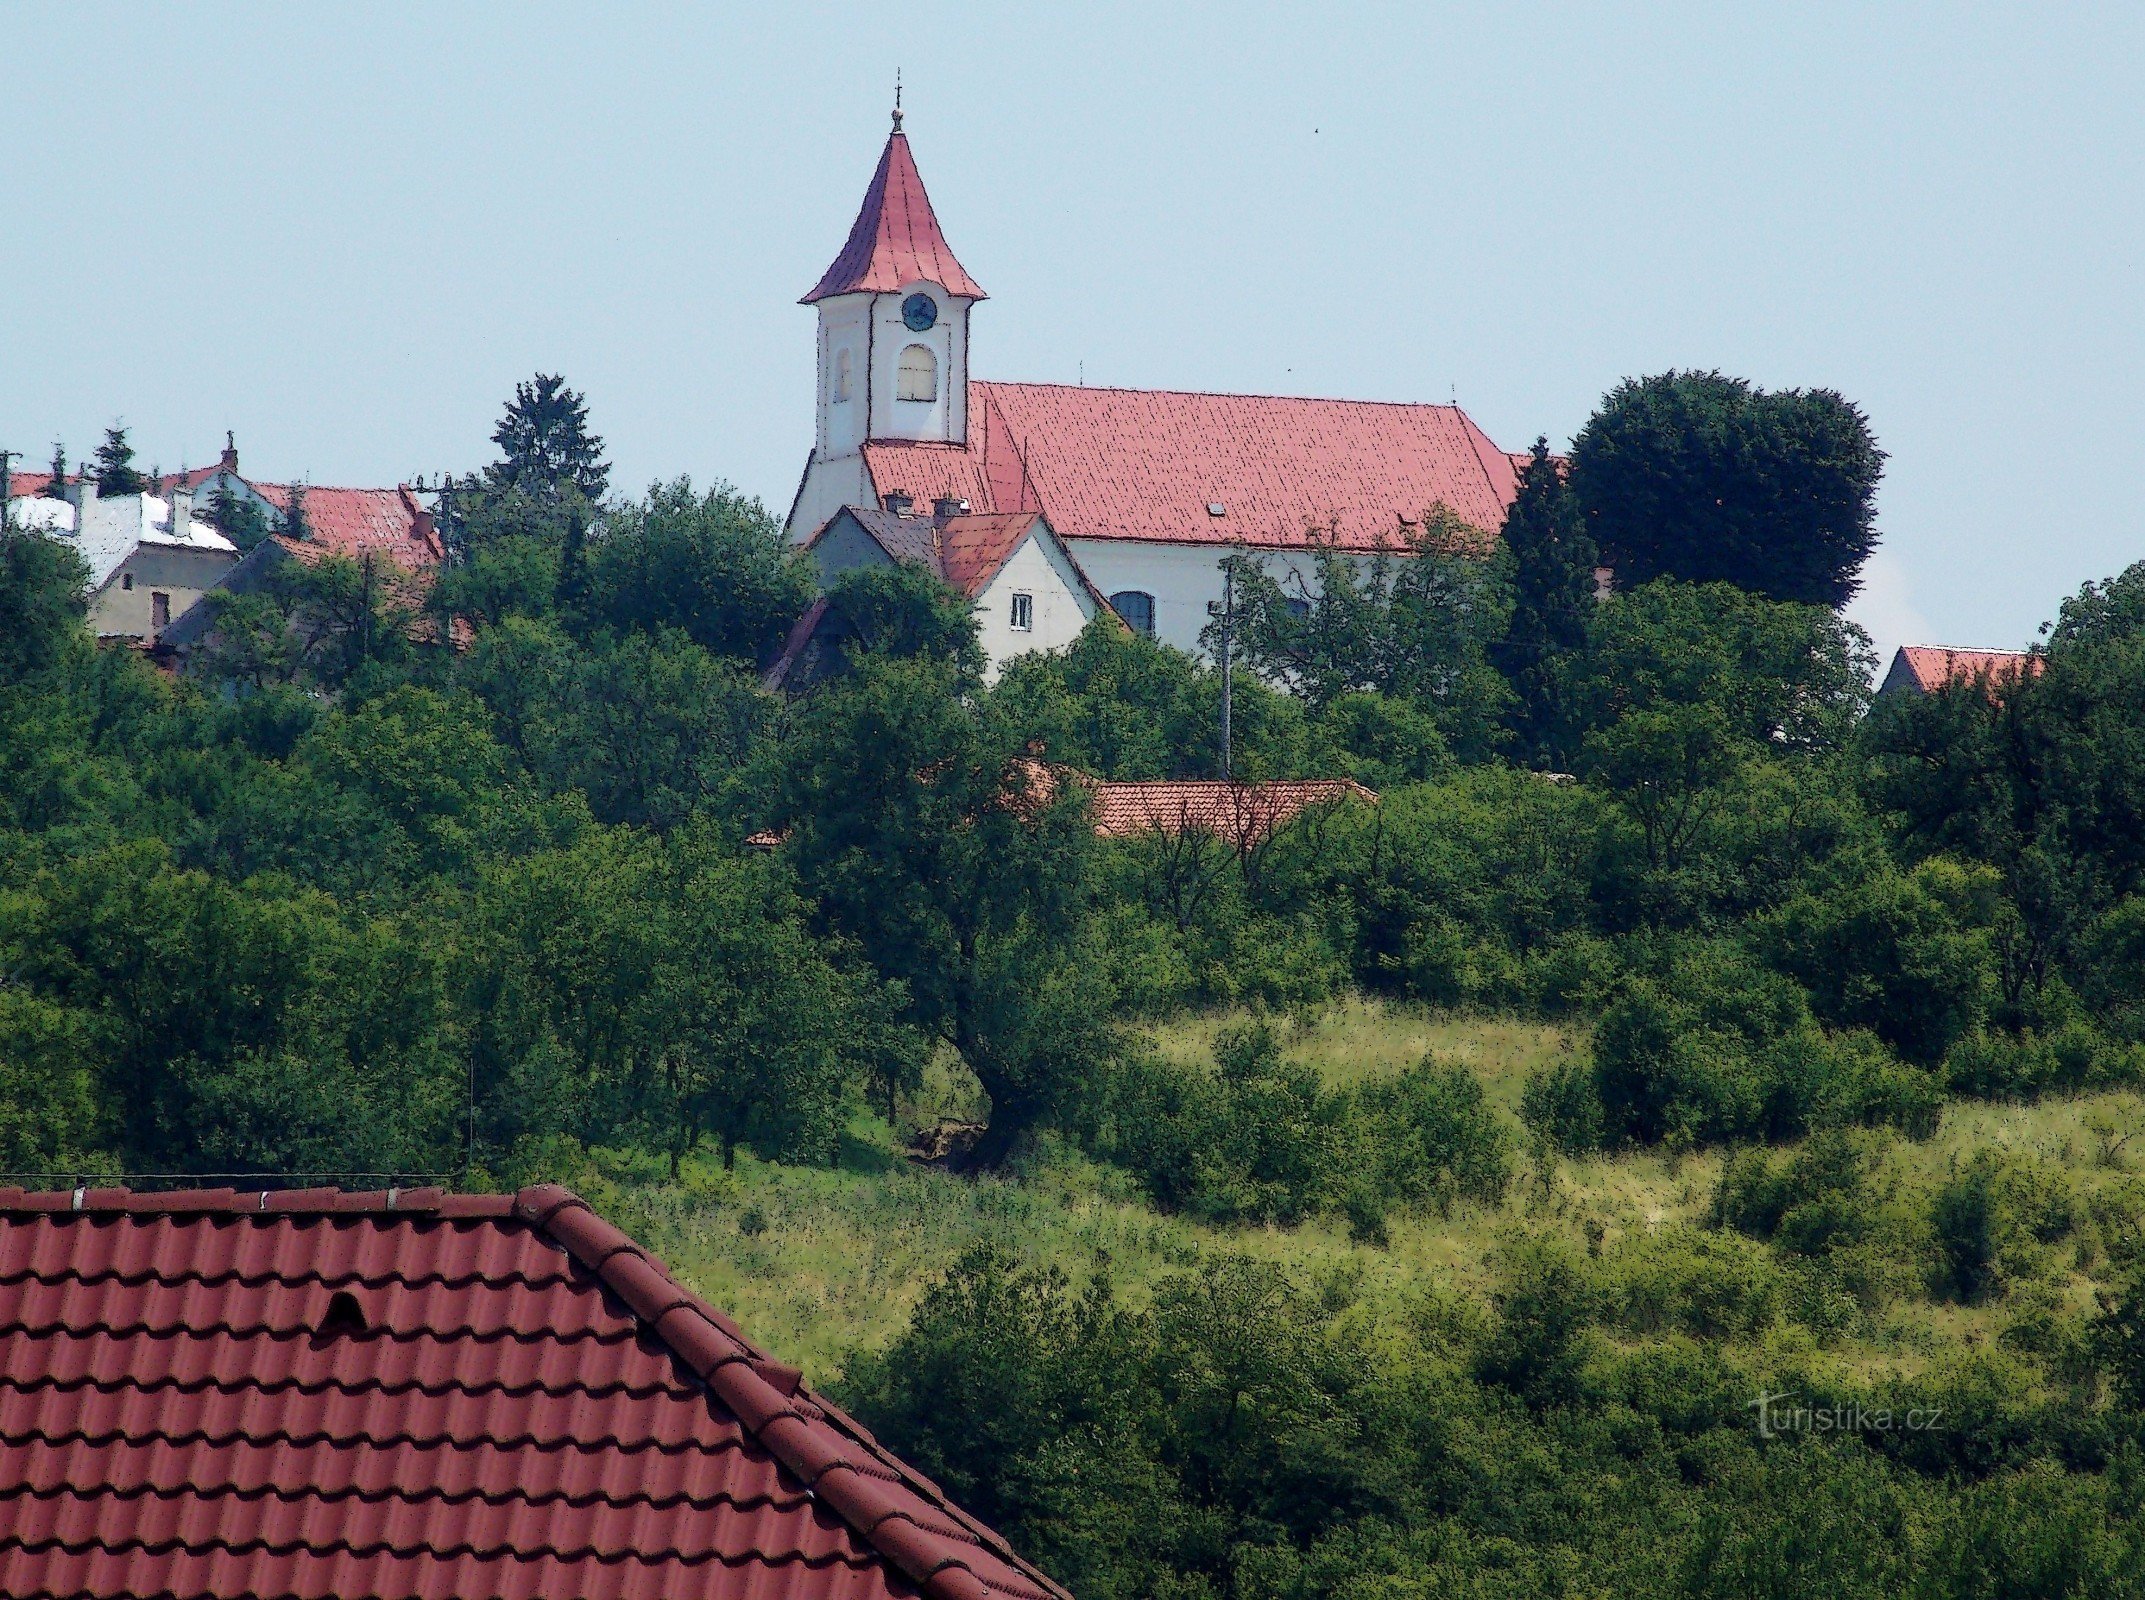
x,y
896,238
1928,668
411,1395
1147,464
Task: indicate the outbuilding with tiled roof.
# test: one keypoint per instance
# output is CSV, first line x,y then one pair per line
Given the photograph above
x,y
413,1395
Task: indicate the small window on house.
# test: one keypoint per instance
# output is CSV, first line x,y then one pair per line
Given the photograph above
x,y
841,375
1024,613
126,580
1136,606
159,610
916,376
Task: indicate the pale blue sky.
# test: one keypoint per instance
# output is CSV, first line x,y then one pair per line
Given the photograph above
x,y
346,231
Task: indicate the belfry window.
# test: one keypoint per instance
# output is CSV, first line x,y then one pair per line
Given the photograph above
x,y
1136,606
916,376
840,385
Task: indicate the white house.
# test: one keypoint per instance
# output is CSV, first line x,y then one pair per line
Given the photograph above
x,y
1146,490
1029,593
149,558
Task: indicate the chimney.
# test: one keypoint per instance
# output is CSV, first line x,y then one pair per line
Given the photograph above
x,y
947,506
229,463
182,507
899,503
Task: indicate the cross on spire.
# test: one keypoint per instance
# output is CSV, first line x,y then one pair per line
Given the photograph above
x,y
897,99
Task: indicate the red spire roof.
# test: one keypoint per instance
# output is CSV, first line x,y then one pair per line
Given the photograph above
x,y
896,239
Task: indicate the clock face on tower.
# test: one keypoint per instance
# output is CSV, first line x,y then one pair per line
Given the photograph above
x,y
920,312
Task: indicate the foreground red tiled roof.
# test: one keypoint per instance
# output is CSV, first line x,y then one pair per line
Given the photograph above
x,y
1928,668
399,1395
895,239
1241,813
1147,464
353,522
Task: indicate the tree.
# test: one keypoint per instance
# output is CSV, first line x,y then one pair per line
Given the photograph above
x,y
1417,625
42,602
713,565
294,523
115,465
238,517
904,610
1553,560
56,485
546,449
1704,477
958,873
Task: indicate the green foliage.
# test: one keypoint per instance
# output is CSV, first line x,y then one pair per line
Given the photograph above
x,y
1706,478
238,517
310,623
43,588
115,471
712,565
904,610
1553,559
545,448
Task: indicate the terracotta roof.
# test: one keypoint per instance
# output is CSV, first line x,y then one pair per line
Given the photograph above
x,y
1147,463
895,239
1928,668
414,1394
351,522
965,550
28,483
1241,813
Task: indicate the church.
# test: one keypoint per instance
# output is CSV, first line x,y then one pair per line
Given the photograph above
x,y
1128,498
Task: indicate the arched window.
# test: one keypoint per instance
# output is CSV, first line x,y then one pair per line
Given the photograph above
x,y
841,374
916,378
1136,606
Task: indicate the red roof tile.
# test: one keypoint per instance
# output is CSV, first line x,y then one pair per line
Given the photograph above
x,y
351,522
1147,463
532,1407
1928,668
1240,813
896,238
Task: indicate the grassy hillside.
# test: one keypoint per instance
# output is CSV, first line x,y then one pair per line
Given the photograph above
x,y
821,1263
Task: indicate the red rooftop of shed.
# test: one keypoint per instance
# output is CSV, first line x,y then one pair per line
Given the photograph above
x,y
411,1394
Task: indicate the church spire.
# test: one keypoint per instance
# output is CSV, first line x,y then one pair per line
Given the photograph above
x,y
896,239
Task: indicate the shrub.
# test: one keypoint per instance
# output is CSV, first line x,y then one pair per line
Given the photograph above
x,y
1710,1285
1432,1137
1964,1214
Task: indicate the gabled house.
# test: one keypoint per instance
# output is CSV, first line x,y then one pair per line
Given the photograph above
x,y
414,1395
149,557
1028,592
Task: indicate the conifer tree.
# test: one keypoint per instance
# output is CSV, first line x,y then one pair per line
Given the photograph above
x,y
546,446
1552,599
59,470
295,525
115,465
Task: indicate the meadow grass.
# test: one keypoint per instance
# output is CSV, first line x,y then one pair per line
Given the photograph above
x,y
818,1263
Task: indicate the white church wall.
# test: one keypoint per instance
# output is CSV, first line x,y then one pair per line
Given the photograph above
x,y
1059,606
843,377
1181,577
827,487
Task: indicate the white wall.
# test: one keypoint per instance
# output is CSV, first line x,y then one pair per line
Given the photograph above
x,y
1181,577
842,325
1062,604
827,487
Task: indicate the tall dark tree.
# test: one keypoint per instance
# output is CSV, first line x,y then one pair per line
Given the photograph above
x,y
238,517
1699,476
1553,560
296,525
546,448
115,465
59,470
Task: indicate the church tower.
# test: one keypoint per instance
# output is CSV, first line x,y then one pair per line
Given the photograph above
x,y
893,321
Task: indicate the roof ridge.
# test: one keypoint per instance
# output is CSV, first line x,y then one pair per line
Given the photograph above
x,y
1212,394
761,1394
119,1200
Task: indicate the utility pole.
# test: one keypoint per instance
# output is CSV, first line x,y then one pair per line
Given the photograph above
x,y
1225,608
7,459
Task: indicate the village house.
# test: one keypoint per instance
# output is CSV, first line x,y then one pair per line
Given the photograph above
x,y
317,1394
1145,490
149,556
